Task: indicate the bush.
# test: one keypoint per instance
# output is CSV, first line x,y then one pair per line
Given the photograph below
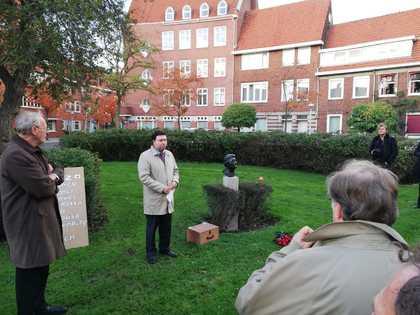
x,y
319,153
366,117
248,204
239,115
73,157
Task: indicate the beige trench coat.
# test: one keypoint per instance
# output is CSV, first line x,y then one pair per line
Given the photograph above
x,y
340,275
155,175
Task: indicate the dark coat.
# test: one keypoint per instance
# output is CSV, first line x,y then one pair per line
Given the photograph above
x,y
385,152
31,218
417,165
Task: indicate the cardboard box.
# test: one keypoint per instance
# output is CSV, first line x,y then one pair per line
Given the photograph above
x,y
202,233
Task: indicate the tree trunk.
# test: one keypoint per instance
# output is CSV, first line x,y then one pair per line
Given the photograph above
x,y
117,112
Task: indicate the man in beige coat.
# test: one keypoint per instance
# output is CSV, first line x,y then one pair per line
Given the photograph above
x,y
159,174
339,268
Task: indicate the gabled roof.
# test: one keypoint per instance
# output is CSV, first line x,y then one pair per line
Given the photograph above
x,y
282,25
147,11
373,29
391,26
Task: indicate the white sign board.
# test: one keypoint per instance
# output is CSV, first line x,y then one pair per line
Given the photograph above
x,y
72,205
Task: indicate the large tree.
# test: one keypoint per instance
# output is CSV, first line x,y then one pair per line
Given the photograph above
x,y
51,44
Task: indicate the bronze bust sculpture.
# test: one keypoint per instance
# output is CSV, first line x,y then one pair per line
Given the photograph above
x,y
230,165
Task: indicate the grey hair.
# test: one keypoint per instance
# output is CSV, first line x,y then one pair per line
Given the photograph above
x,y
25,120
365,191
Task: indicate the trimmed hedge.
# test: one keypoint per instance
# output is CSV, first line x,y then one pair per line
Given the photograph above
x,y
320,153
73,157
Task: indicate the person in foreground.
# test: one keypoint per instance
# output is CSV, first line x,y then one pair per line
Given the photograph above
x,y
340,267
383,148
159,174
402,295
32,222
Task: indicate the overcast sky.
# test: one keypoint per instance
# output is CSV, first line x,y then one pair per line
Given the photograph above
x,y
349,10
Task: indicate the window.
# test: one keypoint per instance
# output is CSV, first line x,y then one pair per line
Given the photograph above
x,y
146,124
168,98
334,123
388,85
169,14
222,8
168,69
168,124
288,57
361,87
202,68
76,125
219,96
168,40
186,124
74,107
218,125
287,123
304,55
202,124
414,84
219,67
219,36
185,39
255,92
202,38
186,98
145,105
302,89
302,123
287,89
51,125
204,10
186,12
335,89
185,68
254,61
202,97
261,124
146,75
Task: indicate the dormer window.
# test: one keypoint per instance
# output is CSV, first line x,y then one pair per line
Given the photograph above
x,y
186,12
169,14
204,10
222,8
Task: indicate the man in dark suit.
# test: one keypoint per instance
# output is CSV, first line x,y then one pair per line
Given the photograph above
x,y
31,219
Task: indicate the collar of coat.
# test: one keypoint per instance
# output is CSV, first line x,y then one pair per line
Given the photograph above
x,y
157,152
349,228
25,145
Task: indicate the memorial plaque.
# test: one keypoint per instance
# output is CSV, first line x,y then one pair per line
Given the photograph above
x,y
72,205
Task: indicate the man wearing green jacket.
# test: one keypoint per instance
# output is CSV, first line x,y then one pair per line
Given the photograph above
x,y
339,268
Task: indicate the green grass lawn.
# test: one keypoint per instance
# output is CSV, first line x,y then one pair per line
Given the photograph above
x,y
111,276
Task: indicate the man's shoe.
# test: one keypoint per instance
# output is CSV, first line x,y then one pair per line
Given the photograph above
x,y
169,253
151,259
56,309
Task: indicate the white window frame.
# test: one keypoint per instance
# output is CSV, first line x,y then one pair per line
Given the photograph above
x,y
202,68
186,93
186,12
217,31
203,121
265,127
169,14
184,37
168,72
341,122
219,67
168,97
186,121
202,43
142,123
412,81
290,54
395,81
200,92
247,86
304,55
168,42
172,122
204,10
290,87
330,82
219,96
146,75
355,85
222,8
302,83
185,68
255,61
53,123
76,123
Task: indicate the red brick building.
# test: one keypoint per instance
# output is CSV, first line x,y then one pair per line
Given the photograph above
x,y
300,71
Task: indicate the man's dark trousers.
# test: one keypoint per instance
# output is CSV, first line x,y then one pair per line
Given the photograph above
x,y
163,222
30,290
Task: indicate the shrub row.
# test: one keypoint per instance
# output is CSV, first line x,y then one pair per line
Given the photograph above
x,y
320,153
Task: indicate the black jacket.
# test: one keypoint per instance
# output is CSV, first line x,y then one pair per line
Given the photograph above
x,y
384,152
417,165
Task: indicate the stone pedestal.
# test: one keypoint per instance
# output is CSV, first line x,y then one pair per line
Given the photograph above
x,y
231,182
